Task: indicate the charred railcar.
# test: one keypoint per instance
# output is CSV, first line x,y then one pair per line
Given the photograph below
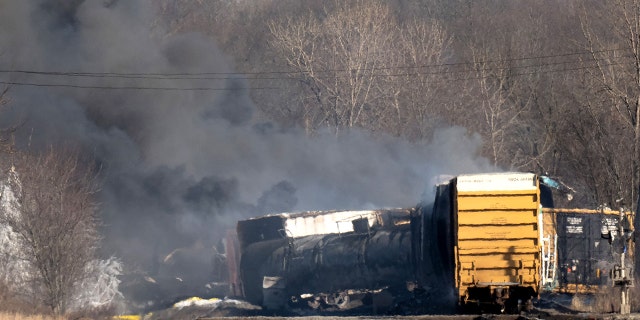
x,y
339,259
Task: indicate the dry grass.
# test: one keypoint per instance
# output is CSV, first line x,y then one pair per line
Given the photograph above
x,y
607,300
21,316
13,307
635,297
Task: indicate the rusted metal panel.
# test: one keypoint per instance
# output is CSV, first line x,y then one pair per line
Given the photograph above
x,y
233,258
260,229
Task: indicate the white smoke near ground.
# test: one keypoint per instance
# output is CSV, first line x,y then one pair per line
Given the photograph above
x,y
101,288
16,273
181,165
98,290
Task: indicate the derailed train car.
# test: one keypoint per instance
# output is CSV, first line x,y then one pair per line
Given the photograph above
x,y
339,260
495,238
476,245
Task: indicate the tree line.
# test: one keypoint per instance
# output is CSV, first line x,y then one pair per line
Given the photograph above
x,y
552,87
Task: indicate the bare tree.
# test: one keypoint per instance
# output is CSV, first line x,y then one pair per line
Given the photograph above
x,y
612,97
419,94
494,90
49,203
502,90
353,63
336,59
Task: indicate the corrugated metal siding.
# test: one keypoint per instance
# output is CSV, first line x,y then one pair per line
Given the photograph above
x,y
497,231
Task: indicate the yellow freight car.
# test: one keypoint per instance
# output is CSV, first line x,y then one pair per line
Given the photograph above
x,y
497,249
511,244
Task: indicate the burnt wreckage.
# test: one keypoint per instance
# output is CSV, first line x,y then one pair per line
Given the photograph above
x,y
488,242
339,259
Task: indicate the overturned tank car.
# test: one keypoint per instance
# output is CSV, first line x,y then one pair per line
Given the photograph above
x,y
341,260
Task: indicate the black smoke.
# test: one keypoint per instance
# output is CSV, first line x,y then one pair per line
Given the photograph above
x,y
183,158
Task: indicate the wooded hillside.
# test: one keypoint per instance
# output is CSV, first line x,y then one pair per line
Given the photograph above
x,y
552,87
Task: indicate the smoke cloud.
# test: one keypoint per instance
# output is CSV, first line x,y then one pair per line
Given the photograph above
x,y
178,164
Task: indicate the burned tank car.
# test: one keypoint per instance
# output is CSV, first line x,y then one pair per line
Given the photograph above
x,y
343,260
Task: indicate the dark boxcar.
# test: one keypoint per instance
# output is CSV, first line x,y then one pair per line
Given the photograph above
x,y
585,253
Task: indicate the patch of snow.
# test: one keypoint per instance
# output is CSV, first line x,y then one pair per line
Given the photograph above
x,y
196,301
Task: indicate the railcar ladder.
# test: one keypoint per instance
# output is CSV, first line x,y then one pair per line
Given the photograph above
x,y
549,252
549,265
